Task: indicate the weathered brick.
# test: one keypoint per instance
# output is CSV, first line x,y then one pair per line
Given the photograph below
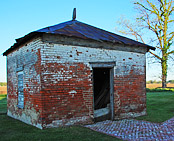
x,y
58,83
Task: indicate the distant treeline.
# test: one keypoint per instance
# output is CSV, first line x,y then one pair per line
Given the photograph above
x,y
3,83
158,82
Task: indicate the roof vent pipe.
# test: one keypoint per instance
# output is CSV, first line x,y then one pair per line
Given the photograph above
x,y
74,14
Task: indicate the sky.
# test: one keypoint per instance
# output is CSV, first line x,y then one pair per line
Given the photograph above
x,y
20,17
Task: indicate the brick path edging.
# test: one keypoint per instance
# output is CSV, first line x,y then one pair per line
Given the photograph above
x,y
131,129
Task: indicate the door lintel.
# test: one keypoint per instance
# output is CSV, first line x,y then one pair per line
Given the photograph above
x,y
103,64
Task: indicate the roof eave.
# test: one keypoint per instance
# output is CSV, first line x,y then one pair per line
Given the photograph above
x,y
150,47
21,41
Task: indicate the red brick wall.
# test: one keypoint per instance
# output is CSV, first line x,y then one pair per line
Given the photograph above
x,y
58,83
70,96
67,83
130,96
28,57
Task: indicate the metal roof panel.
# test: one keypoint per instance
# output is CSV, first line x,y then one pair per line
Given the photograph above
x,y
81,30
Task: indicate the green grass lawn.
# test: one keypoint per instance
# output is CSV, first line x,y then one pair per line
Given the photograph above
x,y
14,130
3,104
159,108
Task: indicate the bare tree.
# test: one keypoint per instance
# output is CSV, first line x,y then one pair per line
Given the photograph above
x,y
154,17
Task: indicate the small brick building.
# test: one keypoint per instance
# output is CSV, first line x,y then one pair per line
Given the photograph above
x,y
74,73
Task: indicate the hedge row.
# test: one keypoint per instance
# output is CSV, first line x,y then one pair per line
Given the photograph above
x,y
159,89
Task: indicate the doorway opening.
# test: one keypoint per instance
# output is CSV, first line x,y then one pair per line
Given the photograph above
x,y
101,83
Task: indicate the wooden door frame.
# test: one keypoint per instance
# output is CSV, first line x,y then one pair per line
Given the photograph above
x,y
109,65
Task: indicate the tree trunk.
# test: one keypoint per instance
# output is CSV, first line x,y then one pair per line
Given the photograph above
x,y
164,73
164,84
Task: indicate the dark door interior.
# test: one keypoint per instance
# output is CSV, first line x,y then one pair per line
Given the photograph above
x,y
101,78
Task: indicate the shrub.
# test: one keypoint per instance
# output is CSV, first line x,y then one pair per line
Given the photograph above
x,y
3,83
159,89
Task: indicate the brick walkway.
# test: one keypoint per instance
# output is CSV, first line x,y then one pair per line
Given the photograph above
x,y
130,129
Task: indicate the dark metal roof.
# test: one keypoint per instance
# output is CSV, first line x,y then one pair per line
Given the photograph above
x,y
78,29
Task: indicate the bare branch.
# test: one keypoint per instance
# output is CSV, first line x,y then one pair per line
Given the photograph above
x,y
171,52
142,6
156,55
170,37
156,17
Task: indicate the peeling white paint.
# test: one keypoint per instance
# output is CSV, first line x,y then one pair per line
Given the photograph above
x,y
28,119
131,115
73,92
67,122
